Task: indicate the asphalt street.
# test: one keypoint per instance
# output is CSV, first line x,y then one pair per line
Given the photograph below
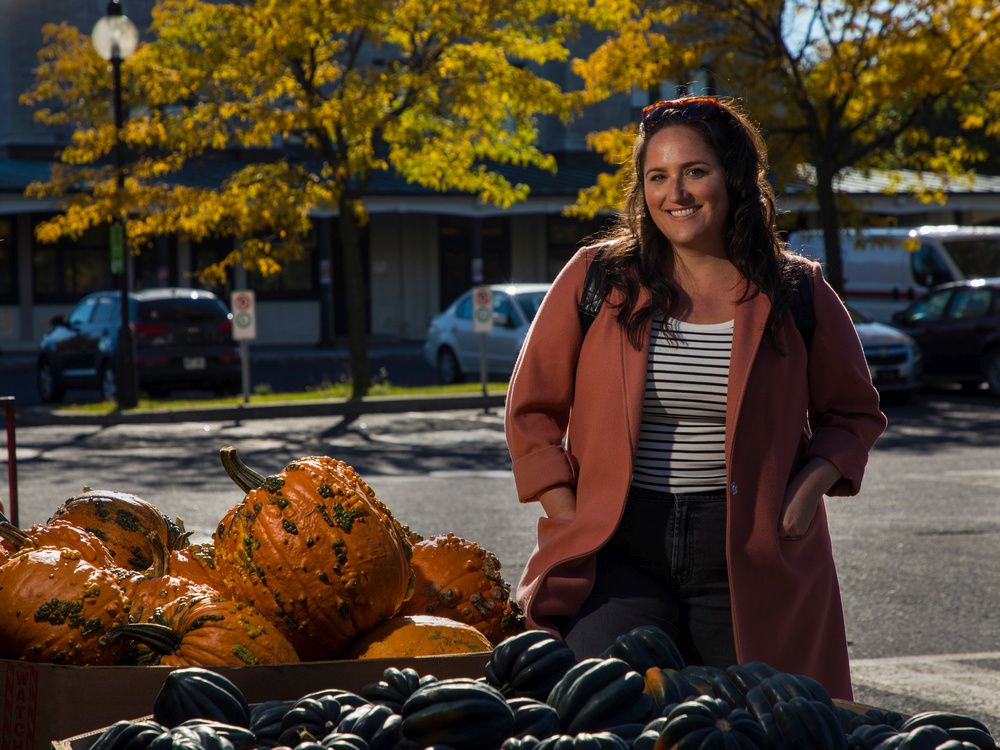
x,y
916,550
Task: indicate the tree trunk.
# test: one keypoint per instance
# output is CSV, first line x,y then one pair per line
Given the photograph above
x,y
357,297
830,223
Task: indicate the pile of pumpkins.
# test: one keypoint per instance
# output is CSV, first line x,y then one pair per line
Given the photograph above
x,y
535,695
309,565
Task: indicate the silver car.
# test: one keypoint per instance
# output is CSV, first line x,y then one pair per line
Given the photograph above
x,y
893,357
453,347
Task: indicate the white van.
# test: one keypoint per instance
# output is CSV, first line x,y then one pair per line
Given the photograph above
x,y
886,269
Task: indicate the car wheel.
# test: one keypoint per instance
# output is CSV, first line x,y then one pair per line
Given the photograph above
x,y
107,384
991,366
48,387
449,371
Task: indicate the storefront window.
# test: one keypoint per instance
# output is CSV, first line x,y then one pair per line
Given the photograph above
x,y
67,270
156,265
566,236
456,237
204,254
8,265
296,279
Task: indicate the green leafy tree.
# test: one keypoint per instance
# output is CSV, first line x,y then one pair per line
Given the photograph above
x,y
835,84
328,93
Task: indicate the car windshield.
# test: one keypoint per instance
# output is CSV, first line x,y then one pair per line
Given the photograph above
x,y
976,257
530,302
183,310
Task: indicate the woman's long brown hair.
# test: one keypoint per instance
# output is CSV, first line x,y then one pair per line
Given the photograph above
x,y
636,252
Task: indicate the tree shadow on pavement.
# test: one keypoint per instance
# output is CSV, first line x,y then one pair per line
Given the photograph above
x,y
943,419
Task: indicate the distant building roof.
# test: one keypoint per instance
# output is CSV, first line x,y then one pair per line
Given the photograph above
x,y
885,181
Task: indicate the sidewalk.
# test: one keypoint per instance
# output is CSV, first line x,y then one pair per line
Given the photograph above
x,y
34,416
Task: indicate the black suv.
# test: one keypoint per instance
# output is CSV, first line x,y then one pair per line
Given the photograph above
x,y
957,326
183,339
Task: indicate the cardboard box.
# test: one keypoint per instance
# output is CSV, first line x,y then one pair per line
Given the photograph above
x,y
43,703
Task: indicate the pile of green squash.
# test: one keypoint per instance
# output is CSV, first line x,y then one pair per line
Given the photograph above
x,y
535,695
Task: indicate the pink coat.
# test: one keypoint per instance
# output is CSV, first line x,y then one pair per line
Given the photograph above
x,y
573,412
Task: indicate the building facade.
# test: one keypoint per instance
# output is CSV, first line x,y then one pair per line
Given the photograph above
x,y
418,247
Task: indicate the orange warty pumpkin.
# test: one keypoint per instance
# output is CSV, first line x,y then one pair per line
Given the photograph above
x,y
458,579
59,534
55,607
123,522
200,629
196,562
314,551
152,588
417,635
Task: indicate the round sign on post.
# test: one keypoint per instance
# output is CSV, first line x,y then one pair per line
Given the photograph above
x,y
244,315
482,310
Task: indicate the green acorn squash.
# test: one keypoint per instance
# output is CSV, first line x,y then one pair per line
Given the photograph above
x,y
596,694
529,664
196,693
459,712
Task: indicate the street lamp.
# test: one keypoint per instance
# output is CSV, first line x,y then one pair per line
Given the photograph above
x,y
115,38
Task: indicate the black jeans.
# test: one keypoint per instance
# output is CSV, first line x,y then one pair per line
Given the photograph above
x,y
665,565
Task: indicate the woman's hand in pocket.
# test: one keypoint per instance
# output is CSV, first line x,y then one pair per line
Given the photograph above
x,y
799,511
803,496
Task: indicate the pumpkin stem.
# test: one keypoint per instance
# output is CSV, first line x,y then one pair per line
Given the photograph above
x,y
158,568
161,639
246,478
14,535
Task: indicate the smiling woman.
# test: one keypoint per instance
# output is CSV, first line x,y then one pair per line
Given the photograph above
x,y
665,442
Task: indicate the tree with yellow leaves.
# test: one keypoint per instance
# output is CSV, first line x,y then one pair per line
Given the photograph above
x,y
833,83
319,96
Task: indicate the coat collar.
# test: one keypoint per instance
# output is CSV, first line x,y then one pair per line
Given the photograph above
x,y
748,331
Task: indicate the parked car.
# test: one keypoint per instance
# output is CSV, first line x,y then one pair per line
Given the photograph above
x,y
894,358
887,268
452,346
183,339
957,326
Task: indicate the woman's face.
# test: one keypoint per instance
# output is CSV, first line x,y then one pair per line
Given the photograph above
x,y
685,189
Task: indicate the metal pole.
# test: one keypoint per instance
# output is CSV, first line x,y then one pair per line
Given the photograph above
x,y
8,403
126,388
245,369
482,370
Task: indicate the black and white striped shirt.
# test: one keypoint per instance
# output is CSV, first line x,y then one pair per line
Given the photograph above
x,y
682,437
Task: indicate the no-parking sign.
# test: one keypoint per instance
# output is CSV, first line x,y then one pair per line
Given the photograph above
x,y
244,315
482,309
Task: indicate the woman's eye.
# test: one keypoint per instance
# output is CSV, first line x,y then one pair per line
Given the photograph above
x,y
695,172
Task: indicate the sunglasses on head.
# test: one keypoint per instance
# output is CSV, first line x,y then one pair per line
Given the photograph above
x,y
691,108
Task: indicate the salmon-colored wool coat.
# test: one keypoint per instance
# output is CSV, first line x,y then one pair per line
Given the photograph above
x,y
573,411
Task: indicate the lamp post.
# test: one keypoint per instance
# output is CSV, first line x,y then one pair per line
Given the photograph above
x,y
115,38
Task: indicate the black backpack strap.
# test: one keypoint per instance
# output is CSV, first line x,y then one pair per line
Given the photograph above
x,y
593,292
802,307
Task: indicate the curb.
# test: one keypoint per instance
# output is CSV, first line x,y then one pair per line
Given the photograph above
x,y
41,416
